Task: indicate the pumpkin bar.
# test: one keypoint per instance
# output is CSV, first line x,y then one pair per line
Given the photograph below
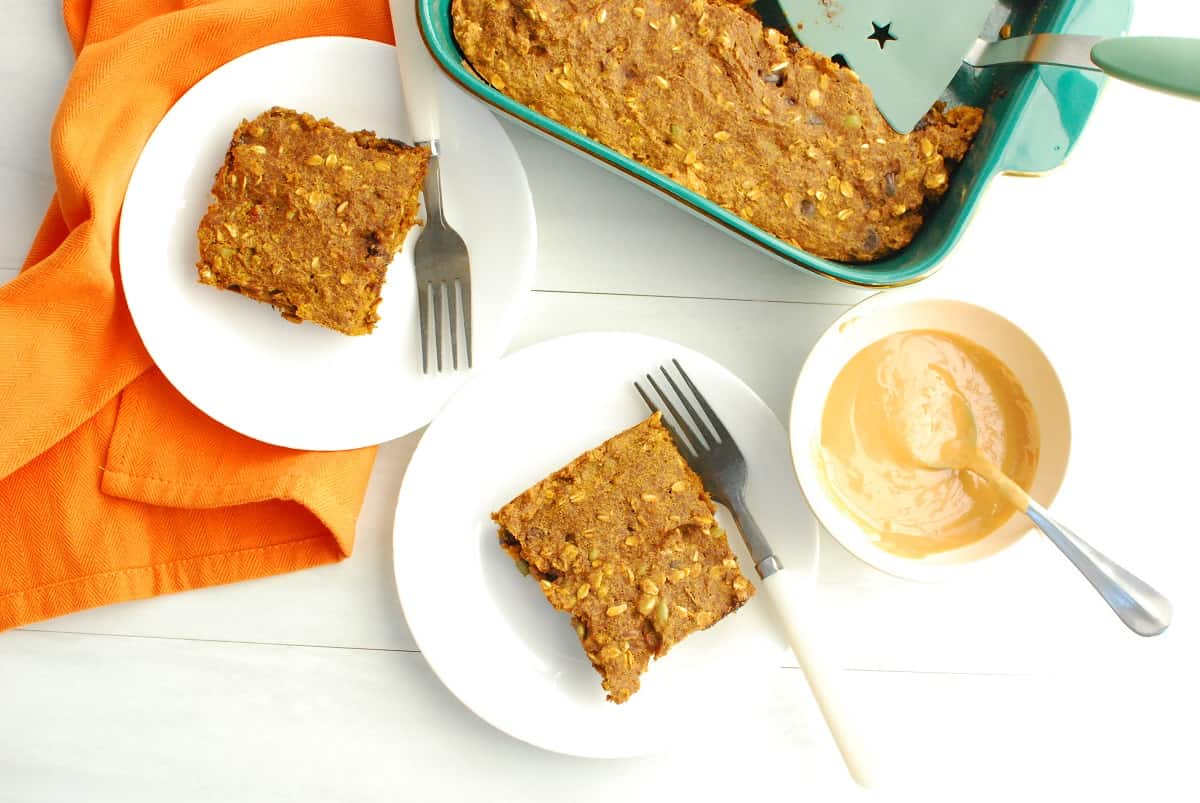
x,y
624,540
306,216
702,92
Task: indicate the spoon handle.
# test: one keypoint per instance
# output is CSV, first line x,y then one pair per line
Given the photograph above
x,y
1142,609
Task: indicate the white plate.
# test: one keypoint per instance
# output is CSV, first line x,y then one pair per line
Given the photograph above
x,y
488,632
304,386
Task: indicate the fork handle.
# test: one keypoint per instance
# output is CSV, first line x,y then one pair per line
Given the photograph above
x,y
418,75
794,607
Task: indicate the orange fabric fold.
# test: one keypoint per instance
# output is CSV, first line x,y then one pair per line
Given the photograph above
x,y
112,486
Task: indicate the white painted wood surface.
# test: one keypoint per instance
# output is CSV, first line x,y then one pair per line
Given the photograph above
x,y
309,686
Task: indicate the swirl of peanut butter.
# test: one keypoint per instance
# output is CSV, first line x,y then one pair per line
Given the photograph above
x,y
899,428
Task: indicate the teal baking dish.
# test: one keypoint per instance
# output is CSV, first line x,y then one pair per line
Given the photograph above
x,y
1034,116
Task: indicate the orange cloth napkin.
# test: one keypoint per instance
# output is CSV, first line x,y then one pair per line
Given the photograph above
x,y
112,486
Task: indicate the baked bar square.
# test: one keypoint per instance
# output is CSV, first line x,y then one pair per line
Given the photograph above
x,y
306,216
702,92
624,540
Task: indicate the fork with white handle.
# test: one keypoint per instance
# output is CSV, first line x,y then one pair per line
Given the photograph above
x,y
712,453
440,259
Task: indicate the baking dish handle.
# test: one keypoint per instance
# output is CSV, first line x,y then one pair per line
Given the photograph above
x,y
1062,98
1052,121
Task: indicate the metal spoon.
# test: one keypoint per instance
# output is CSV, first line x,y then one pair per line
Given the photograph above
x,y
1142,609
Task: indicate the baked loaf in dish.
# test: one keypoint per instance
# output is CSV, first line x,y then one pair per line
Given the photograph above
x,y
701,91
623,539
307,216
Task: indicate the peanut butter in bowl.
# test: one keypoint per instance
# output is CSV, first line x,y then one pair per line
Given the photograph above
x,y
892,395
871,410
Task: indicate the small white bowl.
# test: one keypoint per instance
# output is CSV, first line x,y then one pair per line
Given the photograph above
x,y
904,310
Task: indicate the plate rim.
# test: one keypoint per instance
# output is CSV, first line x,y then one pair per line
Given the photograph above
x,y
517,305
807,577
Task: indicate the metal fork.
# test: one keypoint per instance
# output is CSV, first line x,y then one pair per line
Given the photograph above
x,y
715,456
712,453
440,259
443,269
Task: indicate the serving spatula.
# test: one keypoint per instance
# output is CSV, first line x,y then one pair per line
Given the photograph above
x,y
907,51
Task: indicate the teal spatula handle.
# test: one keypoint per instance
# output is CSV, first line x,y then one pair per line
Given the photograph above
x,y
1165,63
1168,64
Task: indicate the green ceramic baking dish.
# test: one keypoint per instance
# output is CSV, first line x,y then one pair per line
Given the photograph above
x,y
1034,115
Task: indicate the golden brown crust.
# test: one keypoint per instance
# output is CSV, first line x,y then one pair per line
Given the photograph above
x,y
701,91
623,539
307,216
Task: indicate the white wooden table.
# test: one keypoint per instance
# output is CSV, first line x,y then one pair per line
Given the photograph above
x,y
310,687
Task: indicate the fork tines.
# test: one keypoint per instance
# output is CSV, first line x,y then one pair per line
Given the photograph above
x,y
457,295
699,433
